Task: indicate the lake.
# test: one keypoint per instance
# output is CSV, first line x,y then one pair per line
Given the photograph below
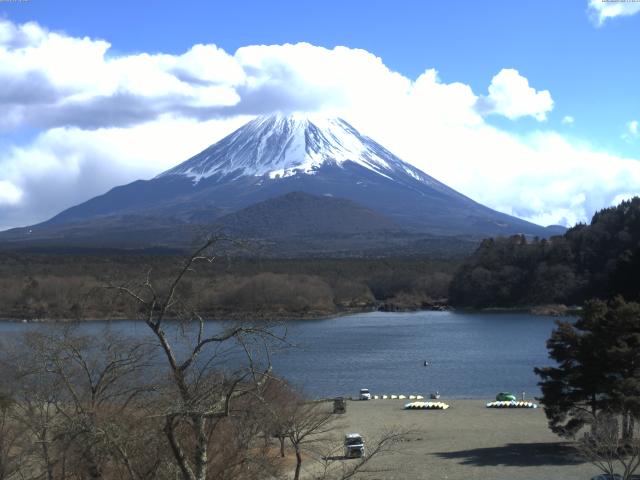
x,y
470,355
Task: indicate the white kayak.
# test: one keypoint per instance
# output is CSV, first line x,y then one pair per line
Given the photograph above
x,y
426,406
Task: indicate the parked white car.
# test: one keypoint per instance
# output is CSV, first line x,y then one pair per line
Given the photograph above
x,y
365,394
353,445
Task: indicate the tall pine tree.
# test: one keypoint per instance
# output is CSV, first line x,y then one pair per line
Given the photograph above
x,y
598,368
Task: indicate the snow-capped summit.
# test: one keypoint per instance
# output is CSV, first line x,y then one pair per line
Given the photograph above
x,y
279,146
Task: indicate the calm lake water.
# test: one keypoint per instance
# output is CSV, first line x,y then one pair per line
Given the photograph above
x,y
471,355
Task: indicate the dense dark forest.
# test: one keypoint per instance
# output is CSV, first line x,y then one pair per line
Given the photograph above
x,y
597,260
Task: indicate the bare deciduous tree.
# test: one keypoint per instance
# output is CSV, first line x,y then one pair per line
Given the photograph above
x,y
78,398
333,466
191,400
12,439
36,395
307,425
609,449
200,395
310,427
276,410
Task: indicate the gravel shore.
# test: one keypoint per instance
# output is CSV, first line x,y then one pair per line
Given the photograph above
x,y
467,441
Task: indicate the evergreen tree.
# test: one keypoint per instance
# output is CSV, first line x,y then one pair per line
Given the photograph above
x,y
598,260
598,368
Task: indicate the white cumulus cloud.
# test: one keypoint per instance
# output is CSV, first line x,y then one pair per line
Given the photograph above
x,y
568,120
602,10
50,80
511,95
9,193
105,120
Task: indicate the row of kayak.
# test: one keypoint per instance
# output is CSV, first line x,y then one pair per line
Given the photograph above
x,y
511,404
426,406
444,406
397,397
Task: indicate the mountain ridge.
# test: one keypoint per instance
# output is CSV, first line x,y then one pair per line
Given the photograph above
x,y
276,155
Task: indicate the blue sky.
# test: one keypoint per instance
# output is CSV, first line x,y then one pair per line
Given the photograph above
x,y
579,51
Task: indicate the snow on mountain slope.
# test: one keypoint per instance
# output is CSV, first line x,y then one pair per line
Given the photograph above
x,y
255,170
280,146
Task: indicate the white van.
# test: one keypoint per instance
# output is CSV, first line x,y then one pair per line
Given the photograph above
x,y
353,445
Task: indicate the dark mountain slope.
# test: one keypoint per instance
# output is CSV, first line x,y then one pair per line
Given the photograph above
x,y
301,214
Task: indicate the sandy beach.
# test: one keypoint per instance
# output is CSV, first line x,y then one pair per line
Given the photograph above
x,y
467,441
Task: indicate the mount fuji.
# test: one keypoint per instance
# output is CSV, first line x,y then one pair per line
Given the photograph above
x,y
299,177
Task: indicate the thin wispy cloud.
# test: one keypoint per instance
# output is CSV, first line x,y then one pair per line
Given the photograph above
x,y
632,131
602,10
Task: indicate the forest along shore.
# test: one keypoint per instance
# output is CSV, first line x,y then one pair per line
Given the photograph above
x,y
516,274
72,286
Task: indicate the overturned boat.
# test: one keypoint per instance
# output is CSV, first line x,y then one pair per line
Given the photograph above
x,y
511,404
426,406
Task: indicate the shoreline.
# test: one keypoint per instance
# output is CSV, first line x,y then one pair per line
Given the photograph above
x,y
256,316
539,310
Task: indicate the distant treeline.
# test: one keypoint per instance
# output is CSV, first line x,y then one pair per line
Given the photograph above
x,y
598,260
72,286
